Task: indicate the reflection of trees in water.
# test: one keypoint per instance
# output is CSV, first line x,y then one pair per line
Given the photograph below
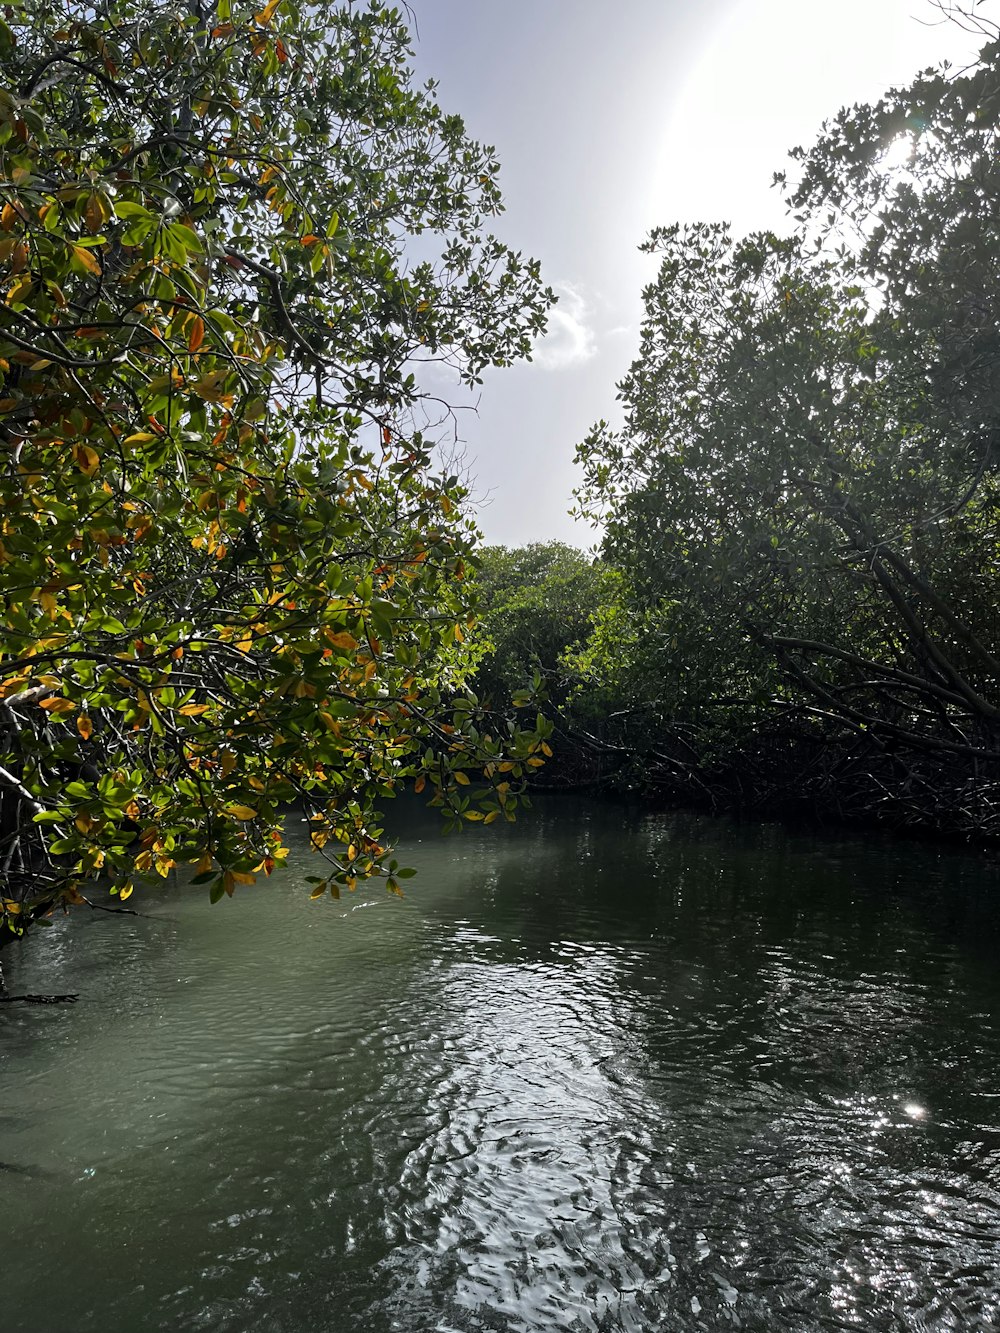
x,y
789,1015
718,1030
596,1068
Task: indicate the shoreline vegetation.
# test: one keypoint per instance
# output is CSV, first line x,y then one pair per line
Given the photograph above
x,y
233,568
796,602
543,607
235,576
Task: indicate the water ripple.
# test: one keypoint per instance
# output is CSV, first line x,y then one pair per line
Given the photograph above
x,y
753,1088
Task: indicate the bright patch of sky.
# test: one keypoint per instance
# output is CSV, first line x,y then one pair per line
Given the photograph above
x,y
610,119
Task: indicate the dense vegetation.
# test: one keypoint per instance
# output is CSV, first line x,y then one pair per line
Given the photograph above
x,y
803,504
231,580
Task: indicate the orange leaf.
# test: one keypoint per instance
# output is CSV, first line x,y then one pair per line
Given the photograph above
x,y
58,706
197,335
96,212
13,685
88,260
343,640
84,726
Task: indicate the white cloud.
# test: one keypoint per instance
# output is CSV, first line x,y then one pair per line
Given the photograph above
x,y
570,339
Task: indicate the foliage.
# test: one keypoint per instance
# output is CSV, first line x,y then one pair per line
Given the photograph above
x,y
230,577
804,497
537,602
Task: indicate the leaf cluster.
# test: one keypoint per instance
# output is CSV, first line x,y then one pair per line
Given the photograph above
x,y
231,577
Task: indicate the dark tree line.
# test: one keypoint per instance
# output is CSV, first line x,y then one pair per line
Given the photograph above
x,y
803,504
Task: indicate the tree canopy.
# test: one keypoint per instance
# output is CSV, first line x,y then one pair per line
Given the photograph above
x,y
536,603
804,496
231,576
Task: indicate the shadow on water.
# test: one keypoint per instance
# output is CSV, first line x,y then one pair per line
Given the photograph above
x,y
604,1071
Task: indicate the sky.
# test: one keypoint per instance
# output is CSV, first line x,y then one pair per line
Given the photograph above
x,y
610,119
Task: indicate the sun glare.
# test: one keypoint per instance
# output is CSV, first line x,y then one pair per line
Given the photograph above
x,y
898,154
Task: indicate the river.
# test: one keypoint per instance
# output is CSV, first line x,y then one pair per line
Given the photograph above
x,y
604,1070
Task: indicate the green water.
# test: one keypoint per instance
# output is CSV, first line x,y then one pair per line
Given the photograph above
x,y
601,1071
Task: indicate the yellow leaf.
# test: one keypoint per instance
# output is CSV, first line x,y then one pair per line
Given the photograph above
x,y
126,892
343,640
462,779
20,289
329,722
317,892
267,13
546,750
84,726
87,459
194,710
204,864
88,260
241,812
494,814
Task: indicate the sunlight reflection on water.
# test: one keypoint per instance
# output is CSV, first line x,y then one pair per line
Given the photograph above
x,y
608,1072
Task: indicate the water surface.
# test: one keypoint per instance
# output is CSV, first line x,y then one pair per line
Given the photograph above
x,y
602,1071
